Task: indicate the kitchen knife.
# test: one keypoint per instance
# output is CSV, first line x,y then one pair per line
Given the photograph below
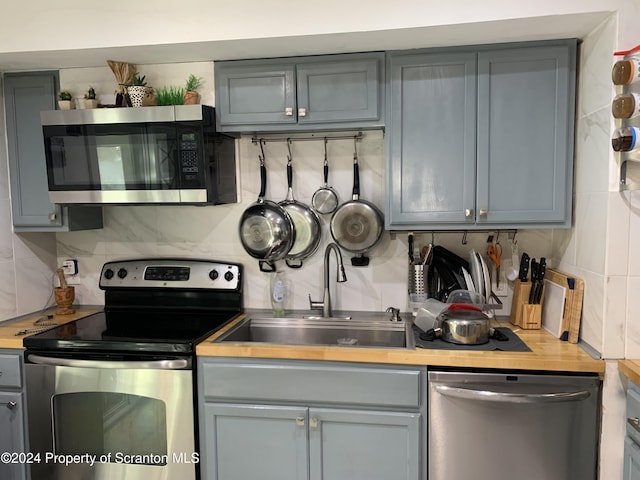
x,y
542,267
524,267
534,280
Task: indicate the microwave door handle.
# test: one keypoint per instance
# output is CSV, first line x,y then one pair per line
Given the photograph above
x,y
487,395
170,364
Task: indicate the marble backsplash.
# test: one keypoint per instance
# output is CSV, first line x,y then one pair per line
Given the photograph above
x,y
212,232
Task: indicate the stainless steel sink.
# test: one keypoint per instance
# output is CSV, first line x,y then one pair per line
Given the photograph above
x,y
322,331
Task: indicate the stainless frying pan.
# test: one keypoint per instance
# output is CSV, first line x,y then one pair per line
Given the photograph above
x,y
325,199
306,224
266,229
357,224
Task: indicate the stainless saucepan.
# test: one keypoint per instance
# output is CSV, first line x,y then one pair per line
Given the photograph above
x,y
266,229
306,224
357,224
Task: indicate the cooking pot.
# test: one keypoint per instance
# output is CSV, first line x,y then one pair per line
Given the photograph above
x,y
357,225
266,229
462,324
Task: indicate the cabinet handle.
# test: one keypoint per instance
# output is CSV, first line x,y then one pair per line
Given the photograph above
x,y
302,112
53,216
635,423
288,111
9,405
300,421
484,212
468,213
313,422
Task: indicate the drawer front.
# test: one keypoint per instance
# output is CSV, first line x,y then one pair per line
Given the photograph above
x,y
304,383
10,371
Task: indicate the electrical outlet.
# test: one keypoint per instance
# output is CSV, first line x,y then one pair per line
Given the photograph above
x,y
70,267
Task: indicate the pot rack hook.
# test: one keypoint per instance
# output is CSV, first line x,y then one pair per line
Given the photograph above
x,y
355,148
433,238
290,156
261,157
464,238
326,140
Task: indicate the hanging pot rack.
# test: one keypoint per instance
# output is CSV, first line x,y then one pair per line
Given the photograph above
x,y
357,137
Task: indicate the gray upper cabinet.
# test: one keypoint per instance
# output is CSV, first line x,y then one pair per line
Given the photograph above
x,y
481,137
25,95
301,93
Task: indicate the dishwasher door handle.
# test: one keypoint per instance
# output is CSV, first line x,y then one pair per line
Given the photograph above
x,y
504,397
169,364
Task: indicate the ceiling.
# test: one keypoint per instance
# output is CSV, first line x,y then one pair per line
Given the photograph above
x,y
535,28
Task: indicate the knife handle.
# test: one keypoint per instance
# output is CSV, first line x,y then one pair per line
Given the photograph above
x,y
524,267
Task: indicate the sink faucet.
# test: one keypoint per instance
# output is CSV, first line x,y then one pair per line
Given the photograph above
x,y
325,305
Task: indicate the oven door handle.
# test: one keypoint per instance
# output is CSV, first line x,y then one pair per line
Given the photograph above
x,y
170,364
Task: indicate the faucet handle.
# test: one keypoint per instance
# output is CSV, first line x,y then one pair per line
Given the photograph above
x,y
395,314
315,305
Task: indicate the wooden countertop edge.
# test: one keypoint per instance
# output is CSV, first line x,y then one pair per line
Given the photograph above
x,y
573,360
630,369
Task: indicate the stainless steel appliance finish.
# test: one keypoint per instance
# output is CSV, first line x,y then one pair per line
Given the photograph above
x,y
495,426
169,154
112,395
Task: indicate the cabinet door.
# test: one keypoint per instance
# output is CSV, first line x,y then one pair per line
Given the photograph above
x,y
255,94
346,90
254,442
12,437
25,96
432,135
631,460
363,445
525,135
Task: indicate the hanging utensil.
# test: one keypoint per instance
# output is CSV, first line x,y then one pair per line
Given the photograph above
x,y
357,224
266,229
325,199
305,222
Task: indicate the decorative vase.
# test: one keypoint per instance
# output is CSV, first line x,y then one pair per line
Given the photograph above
x,y
65,104
191,98
136,94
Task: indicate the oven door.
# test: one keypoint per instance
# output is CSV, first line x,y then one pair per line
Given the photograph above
x,y
102,420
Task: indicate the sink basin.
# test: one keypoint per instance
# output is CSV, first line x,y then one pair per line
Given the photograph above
x,y
321,331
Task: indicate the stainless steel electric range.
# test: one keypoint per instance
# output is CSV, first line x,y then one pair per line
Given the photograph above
x,y
112,395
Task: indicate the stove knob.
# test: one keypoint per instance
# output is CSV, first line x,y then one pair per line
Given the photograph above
x,y
228,276
213,274
108,274
122,273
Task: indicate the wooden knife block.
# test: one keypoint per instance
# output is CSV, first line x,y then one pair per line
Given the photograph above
x,y
525,315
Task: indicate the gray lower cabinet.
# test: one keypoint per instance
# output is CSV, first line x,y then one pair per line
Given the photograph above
x,y
481,137
300,93
12,417
25,95
310,420
632,440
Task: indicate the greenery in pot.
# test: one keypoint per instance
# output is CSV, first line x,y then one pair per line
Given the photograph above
x,y
138,81
136,89
170,95
65,95
191,96
91,94
65,100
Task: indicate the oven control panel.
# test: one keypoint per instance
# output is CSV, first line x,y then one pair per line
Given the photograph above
x,y
171,273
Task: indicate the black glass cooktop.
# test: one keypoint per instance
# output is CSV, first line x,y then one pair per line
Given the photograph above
x,y
131,332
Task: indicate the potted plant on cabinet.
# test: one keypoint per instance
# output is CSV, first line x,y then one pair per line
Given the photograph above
x,y
170,96
136,90
65,100
191,96
90,100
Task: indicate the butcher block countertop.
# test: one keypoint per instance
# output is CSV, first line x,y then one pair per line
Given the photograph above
x,y
32,323
630,369
548,353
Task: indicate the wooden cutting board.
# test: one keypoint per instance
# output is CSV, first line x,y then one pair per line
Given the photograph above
x,y
571,311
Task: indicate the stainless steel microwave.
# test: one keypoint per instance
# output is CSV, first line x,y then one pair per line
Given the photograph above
x,y
145,155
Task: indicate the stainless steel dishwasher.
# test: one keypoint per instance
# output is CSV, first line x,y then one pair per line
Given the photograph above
x,y
493,426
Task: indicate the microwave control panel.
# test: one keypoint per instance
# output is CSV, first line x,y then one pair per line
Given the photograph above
x,y
189,161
